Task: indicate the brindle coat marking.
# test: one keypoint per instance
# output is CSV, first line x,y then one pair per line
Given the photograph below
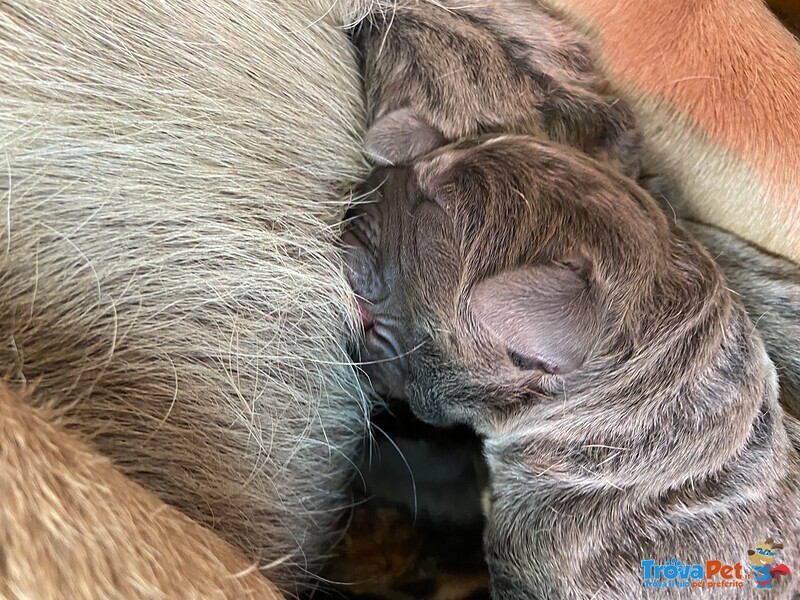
x,y
629,409
529,72
464,70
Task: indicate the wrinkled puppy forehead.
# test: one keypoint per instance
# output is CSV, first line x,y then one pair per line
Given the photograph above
x,y
507,162
511,190
518,200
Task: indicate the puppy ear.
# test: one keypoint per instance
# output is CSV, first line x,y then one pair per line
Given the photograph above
x,y
399,137
545,315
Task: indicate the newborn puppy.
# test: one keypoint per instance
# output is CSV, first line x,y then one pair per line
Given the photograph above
x,y
441,72
628,408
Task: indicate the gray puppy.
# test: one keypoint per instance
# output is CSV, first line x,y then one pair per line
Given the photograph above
x,y
436,74
629,410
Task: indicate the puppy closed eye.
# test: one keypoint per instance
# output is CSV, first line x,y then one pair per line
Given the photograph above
x,y
526,363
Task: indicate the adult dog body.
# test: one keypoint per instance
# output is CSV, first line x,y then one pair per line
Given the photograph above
x,y
173,177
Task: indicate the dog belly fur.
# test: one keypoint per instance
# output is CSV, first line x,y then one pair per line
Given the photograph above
x,y
172,178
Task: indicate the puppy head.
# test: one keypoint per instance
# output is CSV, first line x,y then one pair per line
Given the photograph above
x,y
496,272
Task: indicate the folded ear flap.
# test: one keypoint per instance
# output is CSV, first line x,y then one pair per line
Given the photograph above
x,y
545,315
399,137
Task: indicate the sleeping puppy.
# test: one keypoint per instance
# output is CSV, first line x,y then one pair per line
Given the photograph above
x,y
714,86
628,408
438,73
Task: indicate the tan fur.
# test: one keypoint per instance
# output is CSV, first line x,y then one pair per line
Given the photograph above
x,y
716,86
139,547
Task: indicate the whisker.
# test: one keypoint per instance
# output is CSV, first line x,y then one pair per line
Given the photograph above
x,y
390,359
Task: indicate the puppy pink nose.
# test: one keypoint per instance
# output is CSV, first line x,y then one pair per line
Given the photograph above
x,y
367,320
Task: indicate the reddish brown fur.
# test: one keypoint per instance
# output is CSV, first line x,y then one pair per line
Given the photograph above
x,y
718,74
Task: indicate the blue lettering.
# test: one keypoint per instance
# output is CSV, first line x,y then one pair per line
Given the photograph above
x,y
676,572
647,569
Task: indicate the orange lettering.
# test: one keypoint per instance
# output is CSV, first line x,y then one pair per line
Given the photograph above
x,y
712,568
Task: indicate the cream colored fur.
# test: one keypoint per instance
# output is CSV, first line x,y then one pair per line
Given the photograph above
x,y
172,176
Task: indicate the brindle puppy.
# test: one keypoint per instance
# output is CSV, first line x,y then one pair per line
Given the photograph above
x,y
628,407
439,73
